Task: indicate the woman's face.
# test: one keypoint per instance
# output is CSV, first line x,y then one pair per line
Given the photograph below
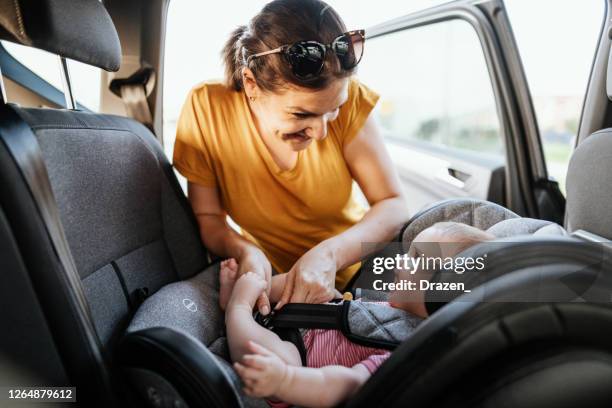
x,y
297,116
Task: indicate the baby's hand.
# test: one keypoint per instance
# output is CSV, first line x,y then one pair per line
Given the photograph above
x,y
262,372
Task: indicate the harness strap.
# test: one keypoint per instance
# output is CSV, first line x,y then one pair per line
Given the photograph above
x,y
294,316
307,316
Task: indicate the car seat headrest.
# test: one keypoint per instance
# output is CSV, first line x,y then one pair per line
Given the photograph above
x,y
525,226
589,196
80,30
478,213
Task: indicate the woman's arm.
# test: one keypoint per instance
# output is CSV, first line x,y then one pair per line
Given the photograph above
x,y
216,233
371,166
221,239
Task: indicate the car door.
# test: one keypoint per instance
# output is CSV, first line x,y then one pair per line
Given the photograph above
x,y
455,109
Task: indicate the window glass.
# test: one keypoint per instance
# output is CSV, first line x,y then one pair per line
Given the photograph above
x,y
187,63
435,87
557,55
85,78
557,61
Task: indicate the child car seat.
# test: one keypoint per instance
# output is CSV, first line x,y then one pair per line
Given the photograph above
x,y
536,331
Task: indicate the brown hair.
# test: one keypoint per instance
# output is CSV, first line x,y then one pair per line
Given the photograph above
x,y
283,22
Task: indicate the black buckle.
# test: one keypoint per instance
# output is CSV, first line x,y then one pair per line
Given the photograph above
x,y
265,320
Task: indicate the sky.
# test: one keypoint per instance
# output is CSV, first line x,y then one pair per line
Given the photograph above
x,y
556,39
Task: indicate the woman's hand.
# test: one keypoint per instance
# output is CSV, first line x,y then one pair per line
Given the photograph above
x,y
311,279
254,260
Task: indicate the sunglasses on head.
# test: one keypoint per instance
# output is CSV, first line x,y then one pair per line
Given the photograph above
x,y
308,57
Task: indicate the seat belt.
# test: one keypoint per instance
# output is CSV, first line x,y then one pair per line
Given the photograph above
x,y
23,146
134,91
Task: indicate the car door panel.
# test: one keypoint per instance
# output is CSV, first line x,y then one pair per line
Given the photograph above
x,y
429,174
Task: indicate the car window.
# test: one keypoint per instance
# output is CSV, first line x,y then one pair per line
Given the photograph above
x,y
435,87
187,63
85,78
557,56
556,59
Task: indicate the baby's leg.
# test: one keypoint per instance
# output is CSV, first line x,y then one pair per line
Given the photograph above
x,y
242,328
228,270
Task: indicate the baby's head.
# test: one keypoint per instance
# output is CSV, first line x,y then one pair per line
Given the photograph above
x,y
455,237
443,239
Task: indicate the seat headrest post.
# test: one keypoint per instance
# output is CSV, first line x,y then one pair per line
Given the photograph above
x,y
3,98
68,95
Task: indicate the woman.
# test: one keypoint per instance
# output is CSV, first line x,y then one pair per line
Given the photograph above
x,y
277,147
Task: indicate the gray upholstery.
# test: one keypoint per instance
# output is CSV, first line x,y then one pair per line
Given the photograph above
x,y
478,213
525,226
80,30
190,306
589,196
484,215
380,322
130,229
127,222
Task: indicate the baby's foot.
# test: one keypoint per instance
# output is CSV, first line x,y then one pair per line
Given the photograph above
x,y
247,289
227,278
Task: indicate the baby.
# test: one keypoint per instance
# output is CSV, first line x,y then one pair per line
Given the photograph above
x,y
336,368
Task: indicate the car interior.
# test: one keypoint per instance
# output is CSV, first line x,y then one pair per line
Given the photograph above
x,y
106,285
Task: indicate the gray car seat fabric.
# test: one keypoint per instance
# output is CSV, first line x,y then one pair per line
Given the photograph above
x,y
80,30
481,214
190,306
589,196
525,226
129,227
478,213
374,322
131,232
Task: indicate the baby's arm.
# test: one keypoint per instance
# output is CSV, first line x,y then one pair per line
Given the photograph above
x,y
333,383
265,374
241,327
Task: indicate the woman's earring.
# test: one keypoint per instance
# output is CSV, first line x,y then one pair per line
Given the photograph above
x,y
252,98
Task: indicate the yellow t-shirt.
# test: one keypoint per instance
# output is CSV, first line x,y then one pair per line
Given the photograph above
x,y
284,212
